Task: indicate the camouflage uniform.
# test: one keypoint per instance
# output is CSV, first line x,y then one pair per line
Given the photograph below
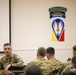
x,y
14,59
42,63
5,72
65,64
55,66
68,69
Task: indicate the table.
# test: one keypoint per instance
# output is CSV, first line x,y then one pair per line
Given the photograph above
x,y
17,72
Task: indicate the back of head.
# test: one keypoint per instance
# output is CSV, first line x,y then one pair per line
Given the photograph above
x,y
50,50
74,50
41,51
74,59
33,70
69,73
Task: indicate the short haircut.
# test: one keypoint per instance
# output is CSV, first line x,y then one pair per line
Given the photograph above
x,y
68,73
7,44
33,70
41,51
74,59
74,47
50,50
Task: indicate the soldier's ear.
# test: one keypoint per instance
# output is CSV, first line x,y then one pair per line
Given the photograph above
x,y
37,54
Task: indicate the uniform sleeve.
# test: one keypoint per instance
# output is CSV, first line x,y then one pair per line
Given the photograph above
x,y
67,69
19,61
55,67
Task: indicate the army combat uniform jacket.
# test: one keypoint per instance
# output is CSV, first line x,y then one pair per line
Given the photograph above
x,y
68,69
55,66
42,63
14,59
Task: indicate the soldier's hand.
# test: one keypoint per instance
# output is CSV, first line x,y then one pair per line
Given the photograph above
x,y
7,67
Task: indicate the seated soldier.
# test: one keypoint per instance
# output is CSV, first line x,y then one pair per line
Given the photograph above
x,y
56,65
71,67
68,62
10,59
40,61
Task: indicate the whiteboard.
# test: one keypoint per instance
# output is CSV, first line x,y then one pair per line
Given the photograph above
x,y
4,23
31,25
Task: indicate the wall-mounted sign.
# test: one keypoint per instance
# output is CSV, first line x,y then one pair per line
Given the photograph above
x,y
57,16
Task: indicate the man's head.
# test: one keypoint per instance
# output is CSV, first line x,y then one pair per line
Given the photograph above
x,y
41,52
74,61
74,50
50,51
7,49
69,73
33,70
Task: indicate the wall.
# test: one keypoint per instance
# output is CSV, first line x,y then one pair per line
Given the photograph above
x,y
31,25
4,22
31,28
